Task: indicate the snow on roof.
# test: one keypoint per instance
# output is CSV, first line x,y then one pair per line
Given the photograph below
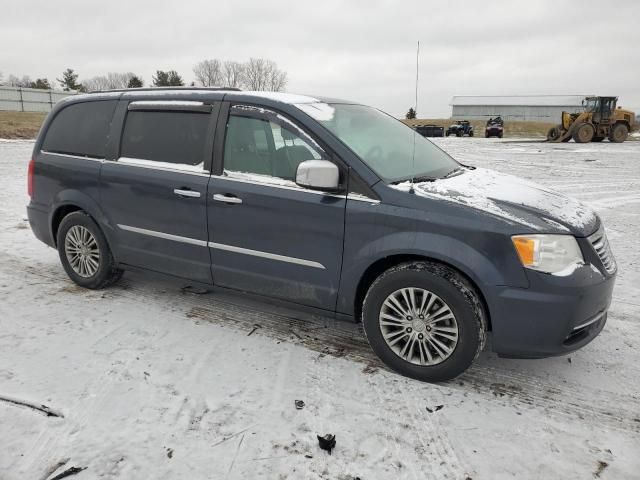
x,y
519,100
291,98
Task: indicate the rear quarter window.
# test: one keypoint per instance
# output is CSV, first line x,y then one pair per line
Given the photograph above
x,y
167,137
81,129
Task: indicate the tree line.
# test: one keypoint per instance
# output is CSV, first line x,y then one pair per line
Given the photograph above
x,y
254,74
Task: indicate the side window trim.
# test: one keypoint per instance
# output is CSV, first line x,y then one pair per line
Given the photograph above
x,y
65,110
117,132
219,145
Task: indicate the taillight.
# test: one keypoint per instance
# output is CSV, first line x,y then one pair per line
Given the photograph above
x,y
32,165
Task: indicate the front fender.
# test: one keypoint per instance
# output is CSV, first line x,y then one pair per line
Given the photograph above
x,y
483,260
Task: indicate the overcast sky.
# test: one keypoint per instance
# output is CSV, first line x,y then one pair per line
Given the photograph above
x,y
363,51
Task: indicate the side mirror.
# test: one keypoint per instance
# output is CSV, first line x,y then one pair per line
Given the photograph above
x,y
318,175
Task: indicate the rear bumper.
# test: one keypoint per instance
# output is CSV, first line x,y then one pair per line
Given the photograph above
x,y
554,316
39,222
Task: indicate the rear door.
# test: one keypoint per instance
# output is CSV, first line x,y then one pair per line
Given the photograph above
x,y
155,193
267,235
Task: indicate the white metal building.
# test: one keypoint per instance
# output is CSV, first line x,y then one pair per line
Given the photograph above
x,y
536,108
20,99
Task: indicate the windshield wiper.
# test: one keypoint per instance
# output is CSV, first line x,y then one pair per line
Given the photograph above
x,y
456,171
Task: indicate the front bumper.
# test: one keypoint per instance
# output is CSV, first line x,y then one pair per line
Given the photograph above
x,y
554,316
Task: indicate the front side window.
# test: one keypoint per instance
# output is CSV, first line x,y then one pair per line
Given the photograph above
x,y
81,129
390,148
174,139
262,142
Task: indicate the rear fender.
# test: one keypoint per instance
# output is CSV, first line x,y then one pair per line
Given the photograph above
x,y
84,202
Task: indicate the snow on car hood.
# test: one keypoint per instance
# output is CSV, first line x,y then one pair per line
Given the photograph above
x,y
511,198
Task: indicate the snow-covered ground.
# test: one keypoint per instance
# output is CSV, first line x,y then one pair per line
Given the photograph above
x,y
153,382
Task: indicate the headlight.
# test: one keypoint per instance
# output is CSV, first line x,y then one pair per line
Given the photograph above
x,y
548,253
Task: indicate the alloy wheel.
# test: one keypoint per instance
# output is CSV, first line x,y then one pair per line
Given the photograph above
x,y
418,326
82,251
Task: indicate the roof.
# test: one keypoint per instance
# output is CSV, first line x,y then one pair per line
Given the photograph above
x,y
281,97
519,100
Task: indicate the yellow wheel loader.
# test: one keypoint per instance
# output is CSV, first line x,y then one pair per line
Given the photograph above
x,y
599,120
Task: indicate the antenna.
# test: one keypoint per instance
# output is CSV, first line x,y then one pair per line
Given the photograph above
x,y
415,111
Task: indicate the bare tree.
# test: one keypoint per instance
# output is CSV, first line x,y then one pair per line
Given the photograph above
x,y
13,81
277,80
255,74
233,74
96,83
110,81
263,74
208,73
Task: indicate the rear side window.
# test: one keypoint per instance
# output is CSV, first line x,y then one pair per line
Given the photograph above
x,y
81,129
166,137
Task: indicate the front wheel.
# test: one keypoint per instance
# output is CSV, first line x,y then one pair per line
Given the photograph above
x,y
85,253
424,321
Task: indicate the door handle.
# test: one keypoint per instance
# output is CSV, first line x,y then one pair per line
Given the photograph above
x,y
226,198
186,193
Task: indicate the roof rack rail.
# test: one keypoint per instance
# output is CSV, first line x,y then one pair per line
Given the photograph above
x,y
151,89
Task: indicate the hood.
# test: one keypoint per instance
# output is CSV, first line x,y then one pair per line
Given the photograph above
x,y
513,199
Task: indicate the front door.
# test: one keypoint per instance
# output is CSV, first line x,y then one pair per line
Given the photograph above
x,y
155,193
266,234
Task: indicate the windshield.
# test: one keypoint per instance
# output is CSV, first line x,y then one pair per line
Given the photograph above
x,y
591,105
385,144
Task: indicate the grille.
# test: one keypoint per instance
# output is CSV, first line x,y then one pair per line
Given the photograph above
x,y
601,246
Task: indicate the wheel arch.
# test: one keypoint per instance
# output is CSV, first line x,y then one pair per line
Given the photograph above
x,y
69,201
381,265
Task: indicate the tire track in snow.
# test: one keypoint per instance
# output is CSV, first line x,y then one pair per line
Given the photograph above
x,y
342,339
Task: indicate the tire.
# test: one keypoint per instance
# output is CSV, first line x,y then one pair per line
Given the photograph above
x,y
471,133
500,135
447,289
486,135
77,231
583,133
554,133
618,133
597,139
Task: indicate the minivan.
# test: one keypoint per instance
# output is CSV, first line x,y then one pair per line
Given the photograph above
x,y
323,204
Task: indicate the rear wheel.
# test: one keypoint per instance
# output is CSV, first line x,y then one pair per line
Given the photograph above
x,y
424,321
618,133
583,133
85,253
471,133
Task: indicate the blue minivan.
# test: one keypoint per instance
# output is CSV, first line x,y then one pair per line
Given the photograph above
x,y
327,205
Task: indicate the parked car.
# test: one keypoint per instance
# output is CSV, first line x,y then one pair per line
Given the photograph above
x,y
494,128
460,128
325,205
430,130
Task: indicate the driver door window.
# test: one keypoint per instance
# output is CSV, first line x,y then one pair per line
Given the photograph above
x,y
265,146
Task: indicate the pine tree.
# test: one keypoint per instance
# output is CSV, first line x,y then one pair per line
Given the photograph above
x,y
411,114
69,80
167,79
135,82
175,80
41,83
